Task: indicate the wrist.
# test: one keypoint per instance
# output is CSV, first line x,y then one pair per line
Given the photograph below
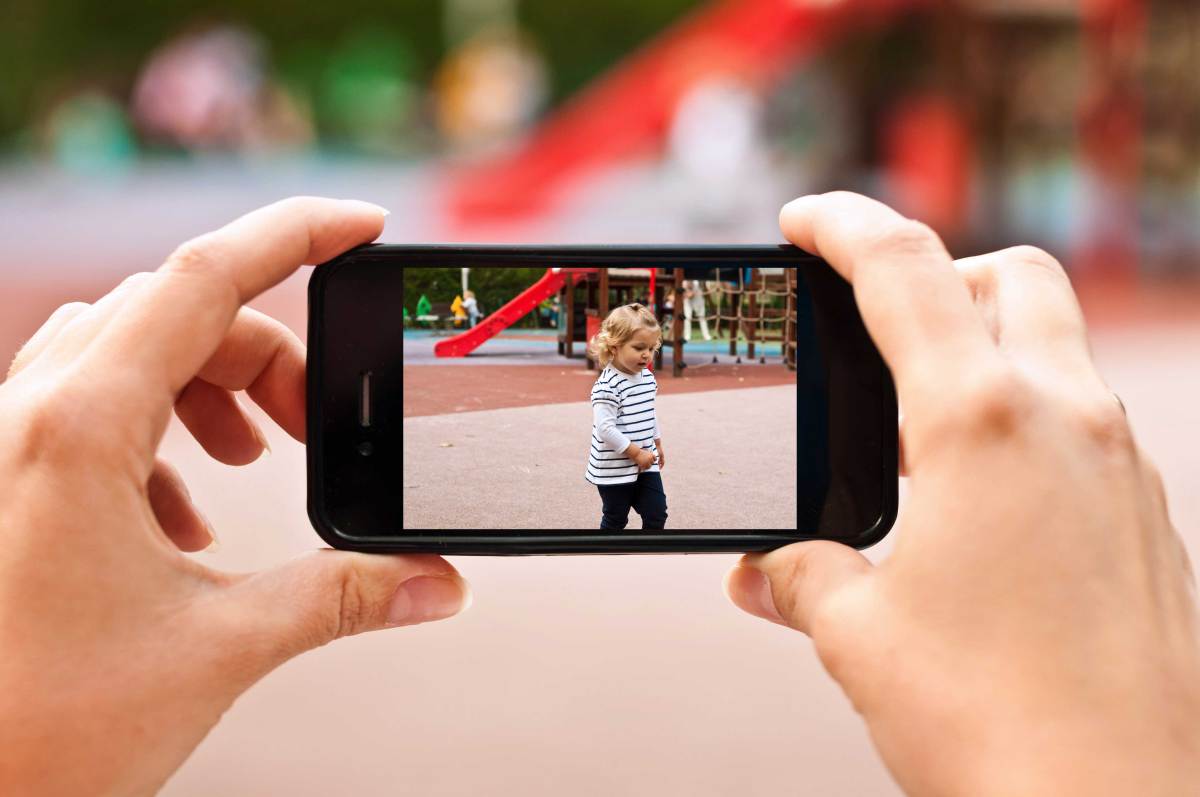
x,y
1094,753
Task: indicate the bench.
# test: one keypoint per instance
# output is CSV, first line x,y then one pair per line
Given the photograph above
x,y
440,314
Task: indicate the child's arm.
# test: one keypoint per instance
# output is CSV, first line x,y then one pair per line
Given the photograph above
x,y
662,458
604,413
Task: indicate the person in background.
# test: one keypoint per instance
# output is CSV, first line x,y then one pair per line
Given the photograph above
x,y
472,307
460,315
693,303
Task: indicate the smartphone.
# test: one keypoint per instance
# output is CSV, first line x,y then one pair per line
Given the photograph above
x,y
846,417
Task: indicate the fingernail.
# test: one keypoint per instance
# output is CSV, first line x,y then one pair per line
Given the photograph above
x,y
262,439
425,598
379,208
797,203
750,591
214,544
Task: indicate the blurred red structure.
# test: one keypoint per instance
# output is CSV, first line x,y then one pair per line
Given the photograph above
x,y
628,111
1110,123
927,146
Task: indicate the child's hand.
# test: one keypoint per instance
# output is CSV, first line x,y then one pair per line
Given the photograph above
x,y
662,458
644,460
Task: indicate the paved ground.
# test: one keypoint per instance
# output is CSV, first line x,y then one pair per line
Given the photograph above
x,y
481,480
584,675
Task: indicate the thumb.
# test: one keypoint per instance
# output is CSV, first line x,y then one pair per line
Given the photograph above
x,y
279,613
790,586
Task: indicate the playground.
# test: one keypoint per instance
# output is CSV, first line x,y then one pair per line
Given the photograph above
x,y
497,417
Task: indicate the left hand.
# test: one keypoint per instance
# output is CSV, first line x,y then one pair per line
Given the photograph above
x,y
662,458
119,652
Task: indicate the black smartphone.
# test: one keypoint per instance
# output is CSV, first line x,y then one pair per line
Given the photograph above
x,y
846,416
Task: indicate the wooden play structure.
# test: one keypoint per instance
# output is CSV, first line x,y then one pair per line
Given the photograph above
x,y
746,302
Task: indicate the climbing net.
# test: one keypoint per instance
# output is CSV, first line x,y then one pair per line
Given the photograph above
x,y
749,305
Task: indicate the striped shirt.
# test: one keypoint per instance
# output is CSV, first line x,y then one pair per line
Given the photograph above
x,y
622,413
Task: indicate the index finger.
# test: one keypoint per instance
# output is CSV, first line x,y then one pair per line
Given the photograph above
x,y
913,302
172,325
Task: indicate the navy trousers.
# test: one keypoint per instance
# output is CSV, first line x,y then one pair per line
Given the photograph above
x,y
645,496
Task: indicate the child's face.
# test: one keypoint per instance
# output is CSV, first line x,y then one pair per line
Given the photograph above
x,y
637,351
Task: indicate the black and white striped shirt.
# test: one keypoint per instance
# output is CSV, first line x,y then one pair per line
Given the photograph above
x,y
622,413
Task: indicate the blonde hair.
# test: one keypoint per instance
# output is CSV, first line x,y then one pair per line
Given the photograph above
x,y
469,294
619,328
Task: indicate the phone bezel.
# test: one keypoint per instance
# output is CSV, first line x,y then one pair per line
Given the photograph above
x,y
521,542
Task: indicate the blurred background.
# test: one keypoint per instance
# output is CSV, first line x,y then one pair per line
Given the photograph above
x,y
127,127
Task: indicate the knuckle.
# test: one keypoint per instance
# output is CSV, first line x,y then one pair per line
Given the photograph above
x,y
70,309
1105,424
1034,257
280,337
1185,560
299,203
201,255
63,314
135,280
203,259
352,604
995,403
908,237
1155,480
52,422
981,276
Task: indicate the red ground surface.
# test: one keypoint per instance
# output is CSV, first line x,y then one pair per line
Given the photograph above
x,y
447,389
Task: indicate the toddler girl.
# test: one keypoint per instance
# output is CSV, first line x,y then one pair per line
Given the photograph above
x,y
626,454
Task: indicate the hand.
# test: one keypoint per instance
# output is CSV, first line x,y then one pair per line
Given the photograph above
x,y
662,457
119,652
1035,629
644,459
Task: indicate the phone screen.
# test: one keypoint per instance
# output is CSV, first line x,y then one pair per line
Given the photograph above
x,y
809,445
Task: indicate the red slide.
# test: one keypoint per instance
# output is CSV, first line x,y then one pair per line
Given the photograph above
x,y
627,112
509,314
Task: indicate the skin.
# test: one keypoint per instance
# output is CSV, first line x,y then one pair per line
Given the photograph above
x,y
631,358
120,652
1035,629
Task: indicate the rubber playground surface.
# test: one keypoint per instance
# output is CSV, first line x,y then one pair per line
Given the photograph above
x,y
499,439
524,368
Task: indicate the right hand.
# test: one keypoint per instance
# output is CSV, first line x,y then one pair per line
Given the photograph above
x,y
644,460
1035,629
119,653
